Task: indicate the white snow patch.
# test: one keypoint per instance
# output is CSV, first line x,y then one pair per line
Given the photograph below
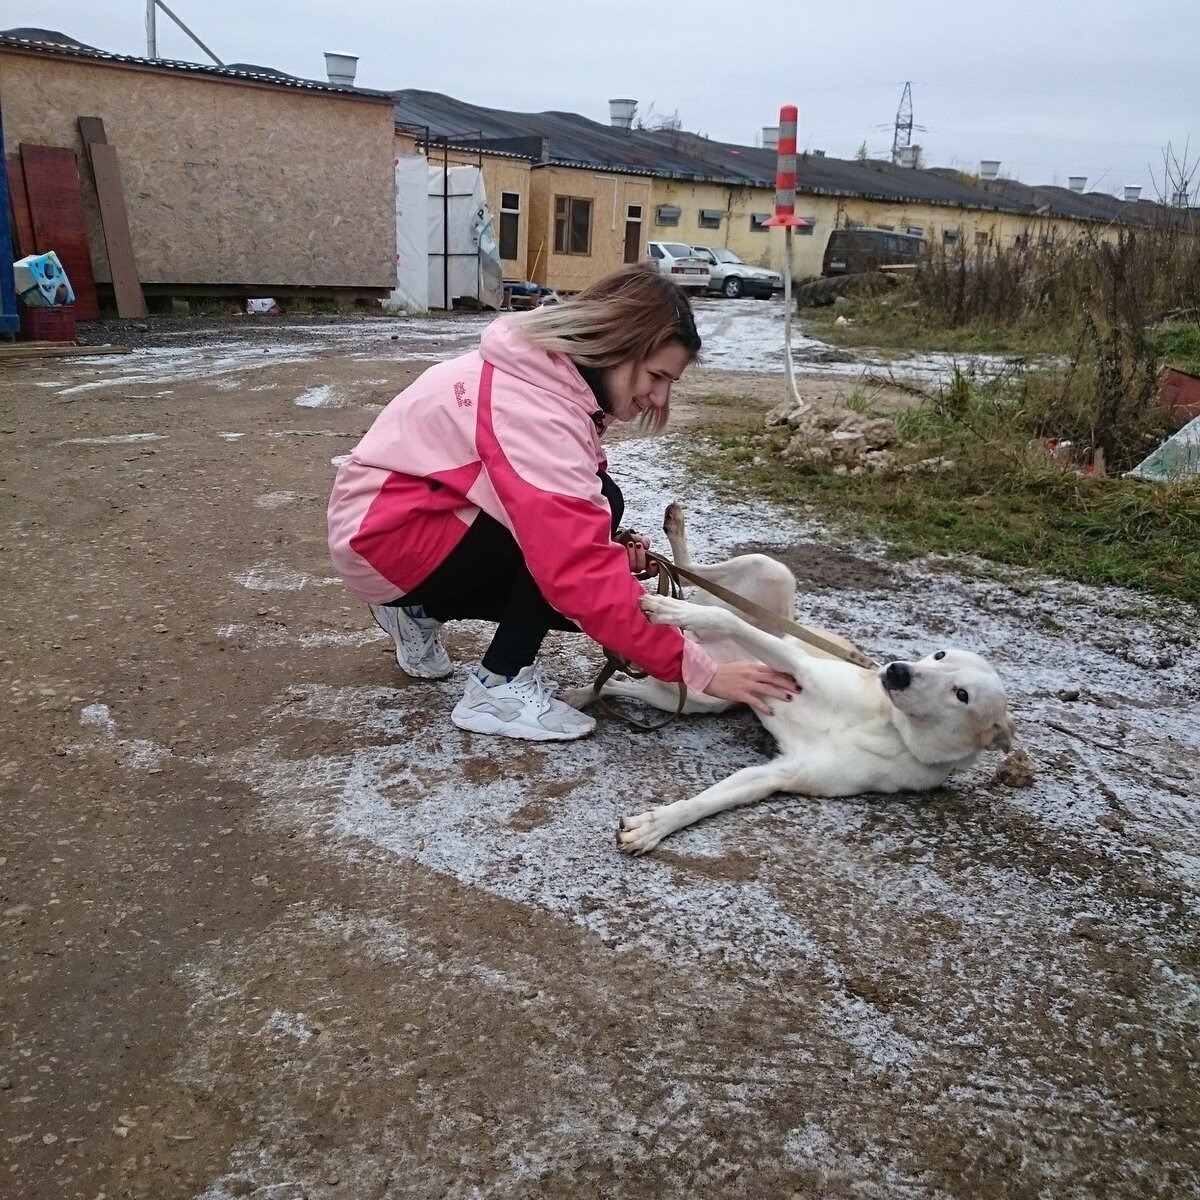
x,y
226,436
318,397
116,439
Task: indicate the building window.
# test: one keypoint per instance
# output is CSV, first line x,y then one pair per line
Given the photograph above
x,y
806,230
510,224
982,238
667,214
915,230
710,218
572,225
758,222
949,237
633,233
1021,239
853,224
889,228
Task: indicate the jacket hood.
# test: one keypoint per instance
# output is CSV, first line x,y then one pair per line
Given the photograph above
x,y
502,346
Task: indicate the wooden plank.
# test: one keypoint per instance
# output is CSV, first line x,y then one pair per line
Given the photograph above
x,y
91,129
126,285
56,206
18,202
16,352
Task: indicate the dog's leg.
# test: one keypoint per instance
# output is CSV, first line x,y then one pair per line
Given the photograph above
x,y
674,528
706,619
664,696
641,833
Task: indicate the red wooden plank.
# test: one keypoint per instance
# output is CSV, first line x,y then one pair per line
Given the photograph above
x,y
56,206
18,203
126,286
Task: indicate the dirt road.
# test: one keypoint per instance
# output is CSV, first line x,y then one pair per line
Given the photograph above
x,y
273,927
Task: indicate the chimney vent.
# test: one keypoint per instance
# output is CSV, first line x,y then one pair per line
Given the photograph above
x,y
1133,191
1077,182
989,168
341,68
620,113
770,137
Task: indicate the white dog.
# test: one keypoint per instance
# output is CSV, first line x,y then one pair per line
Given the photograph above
x,y
848,730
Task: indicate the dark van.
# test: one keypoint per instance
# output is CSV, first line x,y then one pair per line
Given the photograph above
x,y
854,251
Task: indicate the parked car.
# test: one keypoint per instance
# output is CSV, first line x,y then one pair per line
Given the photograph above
x,y
855,251
731,277
681,265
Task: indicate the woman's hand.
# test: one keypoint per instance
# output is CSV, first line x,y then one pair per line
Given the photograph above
x,y
636,545
752,683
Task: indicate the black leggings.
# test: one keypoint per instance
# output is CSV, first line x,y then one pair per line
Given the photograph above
x,y
485,579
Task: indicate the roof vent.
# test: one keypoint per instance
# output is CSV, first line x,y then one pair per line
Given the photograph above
x,y
989,168
620,113
1077,182
341,68
1133,191
907,156
770,137
818,154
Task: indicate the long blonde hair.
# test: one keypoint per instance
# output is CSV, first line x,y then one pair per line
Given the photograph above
x,y
625,317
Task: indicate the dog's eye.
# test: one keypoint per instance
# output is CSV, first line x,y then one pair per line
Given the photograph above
x,y
940,654
962,695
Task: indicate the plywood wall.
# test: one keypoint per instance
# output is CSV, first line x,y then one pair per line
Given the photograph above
x,y
226,183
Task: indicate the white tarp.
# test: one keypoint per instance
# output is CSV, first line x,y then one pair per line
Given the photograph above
x,y
1177,458
424,197
412,234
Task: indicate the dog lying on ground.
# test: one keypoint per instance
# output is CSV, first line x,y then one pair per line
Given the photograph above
x,y
848,730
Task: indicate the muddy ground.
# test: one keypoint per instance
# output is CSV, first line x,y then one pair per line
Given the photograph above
x,y
273,927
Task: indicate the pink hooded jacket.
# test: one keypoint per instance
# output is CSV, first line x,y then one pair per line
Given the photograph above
x,y
513,431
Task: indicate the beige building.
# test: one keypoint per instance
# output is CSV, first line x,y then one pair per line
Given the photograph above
x,y
233,182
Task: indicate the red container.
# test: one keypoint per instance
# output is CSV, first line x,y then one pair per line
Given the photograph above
x,y
1179,394
54,323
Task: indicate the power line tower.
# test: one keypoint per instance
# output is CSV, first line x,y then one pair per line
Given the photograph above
x,y
902,138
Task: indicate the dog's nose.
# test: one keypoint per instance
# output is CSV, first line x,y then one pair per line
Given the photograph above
x,y
897,675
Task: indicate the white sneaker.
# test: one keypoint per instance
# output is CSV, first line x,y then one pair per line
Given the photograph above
x,y
523,707
419,649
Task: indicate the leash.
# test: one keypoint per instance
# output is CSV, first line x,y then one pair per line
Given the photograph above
x,y
669,575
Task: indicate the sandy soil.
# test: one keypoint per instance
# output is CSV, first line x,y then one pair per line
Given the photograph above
x,y
272,927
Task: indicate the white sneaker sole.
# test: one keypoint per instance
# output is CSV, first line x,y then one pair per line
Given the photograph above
x,y
421,670
476,722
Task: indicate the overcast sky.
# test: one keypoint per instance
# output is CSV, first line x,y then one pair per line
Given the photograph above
x,y
1051,88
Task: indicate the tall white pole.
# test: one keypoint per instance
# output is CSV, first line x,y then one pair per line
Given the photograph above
x,y
785,215
151,35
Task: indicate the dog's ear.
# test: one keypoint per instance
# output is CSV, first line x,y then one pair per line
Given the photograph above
x,y
999,736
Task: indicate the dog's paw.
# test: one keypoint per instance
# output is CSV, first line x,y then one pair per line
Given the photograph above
x,y
673,521
639,835
577,697
665,610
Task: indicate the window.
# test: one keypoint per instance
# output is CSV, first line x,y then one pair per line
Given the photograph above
x,y
758,222
510,224
949,237
572,225
633,232
710,218
852,224
1021,239
982,238
915,230
806,230
889,228
667,214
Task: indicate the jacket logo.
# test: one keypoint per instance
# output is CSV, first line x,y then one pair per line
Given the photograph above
x,y
460,394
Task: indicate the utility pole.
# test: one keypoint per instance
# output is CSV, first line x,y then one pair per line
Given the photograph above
x,y
902,138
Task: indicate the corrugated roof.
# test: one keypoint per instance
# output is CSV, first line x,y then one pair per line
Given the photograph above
x,y
572,140
69,48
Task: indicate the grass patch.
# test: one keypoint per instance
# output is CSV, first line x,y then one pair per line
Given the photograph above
x,y
1178,345
890,322
1001,503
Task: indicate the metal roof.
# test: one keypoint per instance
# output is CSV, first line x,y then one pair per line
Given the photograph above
x,y
69,48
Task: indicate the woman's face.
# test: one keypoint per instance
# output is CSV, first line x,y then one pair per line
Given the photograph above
x,y
638,387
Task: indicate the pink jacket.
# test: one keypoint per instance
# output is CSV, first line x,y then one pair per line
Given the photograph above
x,y
507,430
